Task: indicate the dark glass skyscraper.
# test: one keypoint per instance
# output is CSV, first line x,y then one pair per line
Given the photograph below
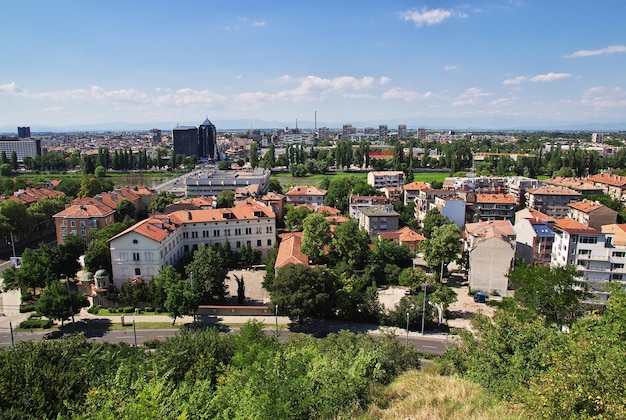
x,y
23,132
207,140
186,141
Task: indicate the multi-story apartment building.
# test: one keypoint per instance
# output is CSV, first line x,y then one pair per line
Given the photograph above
x,y
582,185
613,185
78,219
377,219
382,179
402,133
592,214
358,202
411,190
276,202
552,201
534,241
22,148
517,187
305,195
494,207
452,207
154,243
383,132
426,198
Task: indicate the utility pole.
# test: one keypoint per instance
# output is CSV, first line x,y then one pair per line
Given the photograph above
x,y
407,328
13,245
11,329
276,315
424,309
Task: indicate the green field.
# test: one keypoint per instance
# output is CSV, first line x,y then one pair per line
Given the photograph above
x,y
288,180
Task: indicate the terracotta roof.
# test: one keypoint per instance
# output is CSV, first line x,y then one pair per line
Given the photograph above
x,y
31,195
587,206
409,235
337,220
619,230
574,227
271,195
495,198
577,184
86,209
289,250
609,179
534,214
490,228
157,227
389,235
417,186
551,190
331,211
305,190
243,210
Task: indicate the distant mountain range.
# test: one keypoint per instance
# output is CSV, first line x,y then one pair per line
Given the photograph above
x,y
467,124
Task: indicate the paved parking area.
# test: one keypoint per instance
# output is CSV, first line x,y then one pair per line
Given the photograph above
x,y
253,282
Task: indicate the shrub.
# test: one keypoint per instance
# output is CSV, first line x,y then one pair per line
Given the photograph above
x,y
36,323
152,344
159,310
26,296
29,307
94,310
148,309
128,309
112,310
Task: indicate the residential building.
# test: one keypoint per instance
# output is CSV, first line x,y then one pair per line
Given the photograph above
x,y
527,213
358,202
78,219
494,207
452,207
587,249
584,186
405,235
491,248
517,187
426,198
289,251
392,193
213,182
154,243
377,219
382,179
534,241
383,132
276,202
613,185
412,189
421,133
305,195
592,214
552,201
402,133
23,132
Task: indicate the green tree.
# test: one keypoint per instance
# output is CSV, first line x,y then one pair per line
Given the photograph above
x,y
442,247
294,217
56,302
414,306
315,237
125,208
162,200
14,218
254,156
133,292
275,186
432,220
551,293
100,172
14,164
208,271
225,199
351,243
89,187
302,292
5,169
98,255
172,291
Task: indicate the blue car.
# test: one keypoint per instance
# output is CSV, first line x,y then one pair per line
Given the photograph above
x,y
480,297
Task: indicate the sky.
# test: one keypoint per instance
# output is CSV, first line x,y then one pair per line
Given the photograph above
x,y
492,64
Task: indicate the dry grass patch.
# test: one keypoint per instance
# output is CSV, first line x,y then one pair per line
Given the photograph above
x,y
420,395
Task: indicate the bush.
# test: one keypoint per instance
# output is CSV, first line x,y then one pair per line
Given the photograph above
x,y
152,344
128,309
112,310
148,309
36,323
25,296
159,310
29,307
94,310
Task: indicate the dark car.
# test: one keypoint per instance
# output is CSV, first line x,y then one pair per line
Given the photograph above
x,y
52,335
480,297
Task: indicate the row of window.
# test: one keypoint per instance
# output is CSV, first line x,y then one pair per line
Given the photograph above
x,y
228,232
83,223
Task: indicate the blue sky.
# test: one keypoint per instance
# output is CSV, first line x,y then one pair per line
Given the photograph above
x,y
457,64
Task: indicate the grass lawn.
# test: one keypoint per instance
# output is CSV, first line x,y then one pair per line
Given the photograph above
x,y
288,180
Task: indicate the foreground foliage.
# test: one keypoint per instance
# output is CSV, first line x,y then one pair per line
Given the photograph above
x,y
200,375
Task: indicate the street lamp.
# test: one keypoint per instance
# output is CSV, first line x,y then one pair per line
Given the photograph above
x,y
407,327
424,308
13,245
276,316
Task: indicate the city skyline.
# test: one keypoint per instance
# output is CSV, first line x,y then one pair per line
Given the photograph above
x,y
480,64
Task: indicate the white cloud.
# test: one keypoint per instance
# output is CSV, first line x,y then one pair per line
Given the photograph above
x,y
259,24
54,109
515,81
550,77
602,97
358,96
384,80
471,96
10,88
450,68
426,16
608,50
406,95
188,96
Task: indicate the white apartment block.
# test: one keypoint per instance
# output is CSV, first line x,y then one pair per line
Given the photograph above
x,y
209,184
382,179
152,244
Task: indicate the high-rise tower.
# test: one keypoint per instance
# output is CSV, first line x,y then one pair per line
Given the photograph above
x,y
207,140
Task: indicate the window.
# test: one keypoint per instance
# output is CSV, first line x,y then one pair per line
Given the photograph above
x,y
238,244
248,231
216,232
83,223
619,254
588,239
135,241
64,223
258,242
268,229
617,266
584,252
83,232
617,277
227,232
248,244
237,231
138,271
194,234
185,235
73,223
269,242
135,256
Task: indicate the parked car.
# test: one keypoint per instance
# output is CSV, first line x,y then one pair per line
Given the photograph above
x,y
408,291
52,335
480,297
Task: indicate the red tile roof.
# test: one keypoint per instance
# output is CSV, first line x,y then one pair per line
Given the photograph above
x,y
495,198
575,227
305,190
609,179
551,190
289,250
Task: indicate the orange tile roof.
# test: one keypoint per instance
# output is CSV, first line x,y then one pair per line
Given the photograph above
x,y
289,250
157,227
587,206
87,209
243,210
409,235
271,195
495,198
490,228
305,190
574,226
417,186
577,184
609,179
551,190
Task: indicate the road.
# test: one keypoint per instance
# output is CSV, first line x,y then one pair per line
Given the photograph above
x,y
426,344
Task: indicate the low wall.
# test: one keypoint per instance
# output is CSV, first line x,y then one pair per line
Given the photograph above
x,y
234,310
